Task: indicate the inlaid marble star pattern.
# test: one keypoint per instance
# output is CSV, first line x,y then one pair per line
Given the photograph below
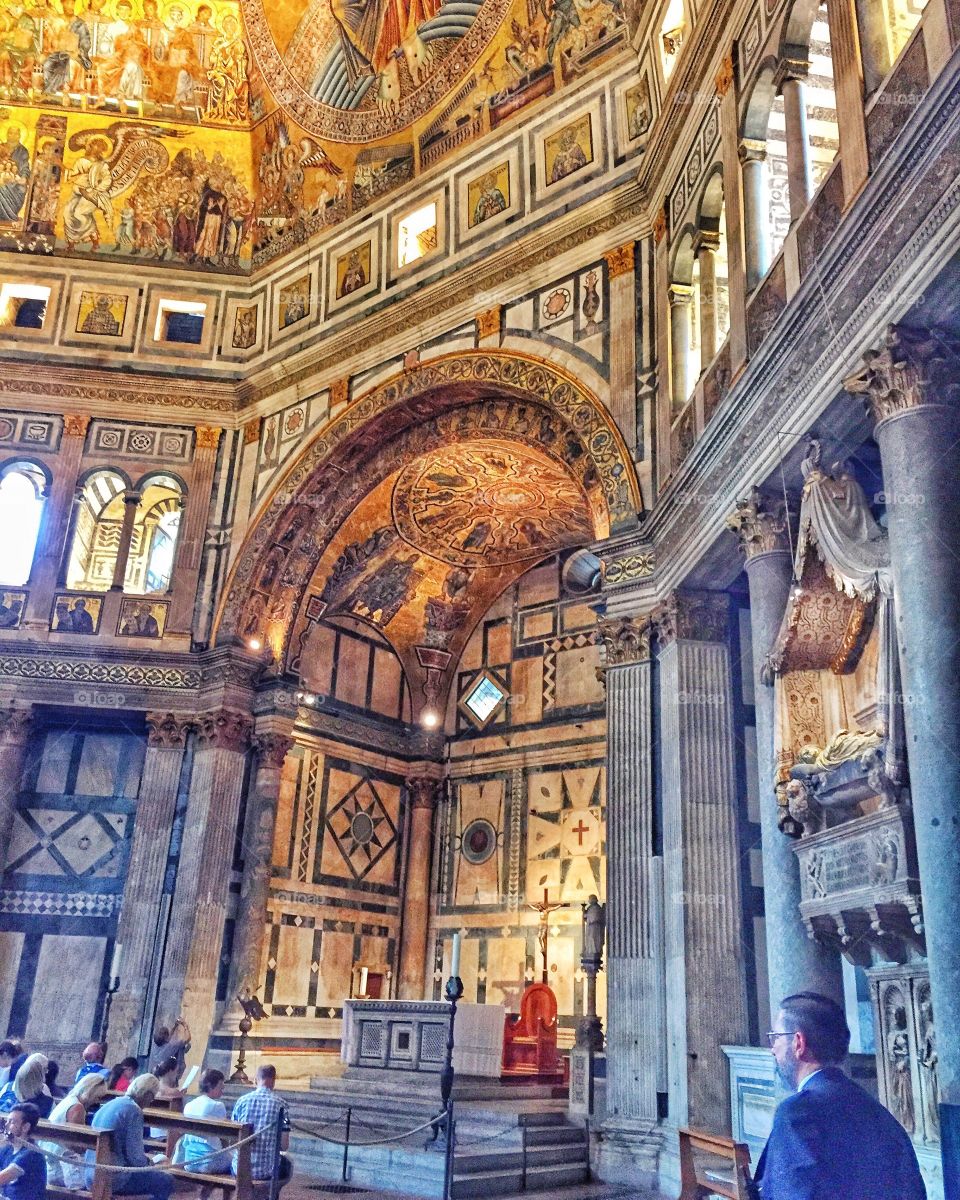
x,y
362,828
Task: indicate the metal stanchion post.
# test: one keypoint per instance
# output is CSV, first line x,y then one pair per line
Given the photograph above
x,y
451,1132
346,1145
275,1177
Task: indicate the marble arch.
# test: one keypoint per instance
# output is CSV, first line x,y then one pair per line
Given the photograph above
x,y
500,398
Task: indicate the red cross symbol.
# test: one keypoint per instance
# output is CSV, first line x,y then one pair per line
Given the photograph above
x,y
580,830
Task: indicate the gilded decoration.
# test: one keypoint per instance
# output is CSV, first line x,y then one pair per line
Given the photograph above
x,y
620,261
724,77
692,616
75,426
761,523
624,640
540,407
915,366
626,567
208,437
251,431
488,322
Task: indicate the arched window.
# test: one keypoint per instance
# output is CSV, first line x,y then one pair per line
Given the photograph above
x,y
684,331
153,539
98,524
22,488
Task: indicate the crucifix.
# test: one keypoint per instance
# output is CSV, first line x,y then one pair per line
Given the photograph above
x,y
544,908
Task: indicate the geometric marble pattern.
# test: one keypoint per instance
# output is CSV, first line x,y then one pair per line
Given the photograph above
x,y
55,842
362,828
58,904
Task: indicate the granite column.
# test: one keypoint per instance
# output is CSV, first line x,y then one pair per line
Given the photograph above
x,y
703,920
139,929
756,232
422,799
911,385
795,963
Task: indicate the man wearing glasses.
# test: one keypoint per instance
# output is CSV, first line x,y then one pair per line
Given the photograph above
x,y
830,1139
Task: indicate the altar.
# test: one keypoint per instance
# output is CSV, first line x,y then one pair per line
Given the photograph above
x,y
411,1035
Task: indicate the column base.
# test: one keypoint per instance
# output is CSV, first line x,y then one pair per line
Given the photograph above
x,y
637,1153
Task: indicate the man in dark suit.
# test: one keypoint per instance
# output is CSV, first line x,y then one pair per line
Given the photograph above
x,y
830,1139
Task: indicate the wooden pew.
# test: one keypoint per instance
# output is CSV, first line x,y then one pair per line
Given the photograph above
x,y
241,1186
727,1175
82,1138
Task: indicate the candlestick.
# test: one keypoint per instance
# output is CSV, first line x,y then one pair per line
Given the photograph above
x,y
115,963
455,957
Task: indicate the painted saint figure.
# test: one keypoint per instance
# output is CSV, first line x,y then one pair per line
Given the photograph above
x,y
91,180
14,175
355,276
570,157
100,319
490,201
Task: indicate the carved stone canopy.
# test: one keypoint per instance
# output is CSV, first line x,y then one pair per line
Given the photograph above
x,y
692,616
761,522
624,640
915,366
823,627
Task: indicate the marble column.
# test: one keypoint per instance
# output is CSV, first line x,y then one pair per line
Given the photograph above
x,y
138,929
16,722
199,908
756,223
193,527
57,521
636,1063
799,173
912,392
131,500
874,44
422,793
680,296
271,744
707,245
795,963
706,1000
848,94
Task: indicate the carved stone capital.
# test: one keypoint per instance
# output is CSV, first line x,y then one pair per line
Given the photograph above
x,y
168,731
914,367
339,392
624,640
15,725
620,261
660,226
724,77
680,295
224,730
251,431
793,68
272,748
488,321
762,524
423,791
208,437
692,617
75,425
750,150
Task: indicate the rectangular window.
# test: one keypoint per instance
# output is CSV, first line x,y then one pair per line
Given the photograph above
x,y
180,321
417,234
23,305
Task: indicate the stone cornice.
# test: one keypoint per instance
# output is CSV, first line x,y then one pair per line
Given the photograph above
x,y
914,367
761,523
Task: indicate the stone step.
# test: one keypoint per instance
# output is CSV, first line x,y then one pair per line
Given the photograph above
x,y
556,1135
537,1156
507,1182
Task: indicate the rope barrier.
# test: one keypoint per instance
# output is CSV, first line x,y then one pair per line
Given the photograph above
x,y
371,1142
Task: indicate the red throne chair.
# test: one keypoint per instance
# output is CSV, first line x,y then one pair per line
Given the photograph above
x,y
530,1038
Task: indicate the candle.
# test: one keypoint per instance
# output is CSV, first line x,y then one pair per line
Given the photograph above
x,y
455,957
364,972
115,964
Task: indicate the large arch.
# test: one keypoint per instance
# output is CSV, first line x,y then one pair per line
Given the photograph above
x,y
480,396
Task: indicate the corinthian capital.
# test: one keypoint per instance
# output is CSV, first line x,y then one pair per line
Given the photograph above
x,y
692,617
272,748
224,730
624,640
423,791
761,523
914,366
168,731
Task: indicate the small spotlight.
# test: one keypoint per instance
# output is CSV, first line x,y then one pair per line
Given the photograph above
x,y
255,644
429,718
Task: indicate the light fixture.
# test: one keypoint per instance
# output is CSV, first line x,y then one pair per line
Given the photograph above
x,y
429,718
255,644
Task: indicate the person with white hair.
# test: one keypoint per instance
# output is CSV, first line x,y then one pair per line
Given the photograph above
x,y
72,1110
123,1116
28,1086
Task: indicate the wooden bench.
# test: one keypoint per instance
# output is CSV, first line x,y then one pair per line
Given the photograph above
x,y
728,1174
241,1186
83,1138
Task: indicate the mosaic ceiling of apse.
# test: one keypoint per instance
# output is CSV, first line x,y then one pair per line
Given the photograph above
x,y
429,548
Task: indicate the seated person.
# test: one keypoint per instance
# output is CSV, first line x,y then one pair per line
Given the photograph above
x,y
9,1050
124,1117
72,1110
121,1073
195,1150
23,1172
92,1063
263,1110
29,1086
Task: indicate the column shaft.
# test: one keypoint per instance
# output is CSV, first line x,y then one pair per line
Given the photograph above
x,y
707,260
15,725
193,528
756,230
680,306
799,175
130,502
848,91
137,929
623,343
422,797
706,985
57,521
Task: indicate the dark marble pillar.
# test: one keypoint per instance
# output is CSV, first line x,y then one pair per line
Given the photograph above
x,y
15,725
795,963
422,793
911,386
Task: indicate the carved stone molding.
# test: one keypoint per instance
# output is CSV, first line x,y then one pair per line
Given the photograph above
x,y
251,431
624,640
74,425
208,437
224,730
168,731
272,748
915,366
339,392
488,321
620,261
625,567
724,77
15,724
660,226
423,791
761,523
692,617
